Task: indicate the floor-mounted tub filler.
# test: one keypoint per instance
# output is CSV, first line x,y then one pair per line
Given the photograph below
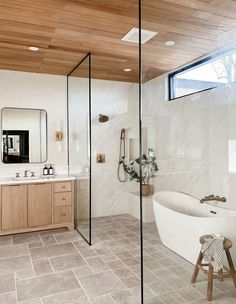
x,y
181,220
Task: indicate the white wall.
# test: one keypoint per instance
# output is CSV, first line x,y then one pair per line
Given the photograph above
x,y
194,139
48,92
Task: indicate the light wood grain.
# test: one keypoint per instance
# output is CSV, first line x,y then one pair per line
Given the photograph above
x,y
66,31
62,214
39,204
63,199
14,207
62,186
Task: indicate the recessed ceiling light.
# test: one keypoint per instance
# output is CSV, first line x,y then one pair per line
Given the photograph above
x,y
127,70
33,48
170,43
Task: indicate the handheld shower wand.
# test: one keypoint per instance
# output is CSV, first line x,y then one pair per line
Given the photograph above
x,y
121,174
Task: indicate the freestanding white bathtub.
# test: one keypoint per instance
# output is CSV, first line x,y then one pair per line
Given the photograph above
x,y
181,220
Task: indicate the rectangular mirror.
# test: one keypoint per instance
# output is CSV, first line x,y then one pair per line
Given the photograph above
x,y
24,135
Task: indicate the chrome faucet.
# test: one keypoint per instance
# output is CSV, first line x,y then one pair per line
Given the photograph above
x,y
212,197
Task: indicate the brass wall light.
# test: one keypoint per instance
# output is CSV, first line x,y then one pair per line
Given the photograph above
x,y
103,118
59,136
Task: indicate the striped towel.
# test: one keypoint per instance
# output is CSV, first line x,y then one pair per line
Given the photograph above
x,y
213,252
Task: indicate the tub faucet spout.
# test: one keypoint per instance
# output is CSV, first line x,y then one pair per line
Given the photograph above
x,y
212,197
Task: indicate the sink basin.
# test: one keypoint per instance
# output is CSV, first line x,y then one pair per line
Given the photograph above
x,y
25,178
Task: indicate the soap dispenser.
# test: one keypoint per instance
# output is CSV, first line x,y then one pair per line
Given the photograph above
x,y
51,170
45,170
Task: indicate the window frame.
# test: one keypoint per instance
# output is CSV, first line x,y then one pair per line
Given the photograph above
x,y
189,67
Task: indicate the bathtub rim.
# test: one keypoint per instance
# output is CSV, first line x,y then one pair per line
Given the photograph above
x,y
198,200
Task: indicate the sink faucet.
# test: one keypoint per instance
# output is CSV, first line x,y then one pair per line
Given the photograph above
x,y
26,173
212,197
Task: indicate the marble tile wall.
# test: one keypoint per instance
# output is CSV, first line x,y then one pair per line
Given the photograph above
x,y
119,101
194,138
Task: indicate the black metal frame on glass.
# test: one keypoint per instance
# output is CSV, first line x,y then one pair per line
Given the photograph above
x,y
88,56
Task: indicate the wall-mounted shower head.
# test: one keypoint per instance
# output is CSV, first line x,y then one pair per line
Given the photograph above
x,y
103,118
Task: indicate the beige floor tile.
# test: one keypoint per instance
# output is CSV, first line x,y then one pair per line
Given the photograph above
x,y
97,265
46,285
9,298
15,264
35,244
34,301
67,262
159,288
52,251
13,251
68,237
25,274
48,240
100,284
85,250
107,299
117,264
5,241
7,283
131,282
124,297
100,248
189,293
26,238
131,261
123,272
42,266
109,257
172,298
72,297
82,271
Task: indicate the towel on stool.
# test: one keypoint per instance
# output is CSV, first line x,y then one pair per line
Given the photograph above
x,y
213,252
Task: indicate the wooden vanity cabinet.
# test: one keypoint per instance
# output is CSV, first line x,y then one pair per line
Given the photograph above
x,y
63,197
36,206
39,204
14,207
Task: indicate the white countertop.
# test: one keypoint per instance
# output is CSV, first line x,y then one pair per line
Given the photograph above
x,y
39,179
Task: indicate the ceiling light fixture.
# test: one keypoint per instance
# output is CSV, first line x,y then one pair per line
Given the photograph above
x,y
170,43
33,48
127,70
133,35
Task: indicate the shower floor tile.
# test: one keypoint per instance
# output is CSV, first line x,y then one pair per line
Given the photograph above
x,y
58,267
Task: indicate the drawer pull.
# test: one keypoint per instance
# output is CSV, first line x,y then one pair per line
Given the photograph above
x,y
63,214
63,187
63,199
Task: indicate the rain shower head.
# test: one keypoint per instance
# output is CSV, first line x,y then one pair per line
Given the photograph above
x,y
103,118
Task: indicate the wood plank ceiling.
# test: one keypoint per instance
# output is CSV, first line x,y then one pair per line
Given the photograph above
x,y
66,30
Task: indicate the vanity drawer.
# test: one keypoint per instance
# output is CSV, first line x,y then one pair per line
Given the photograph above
x,y
63,186
62,199
62,214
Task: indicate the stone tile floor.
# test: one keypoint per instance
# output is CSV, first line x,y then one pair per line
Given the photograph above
x,y
58,267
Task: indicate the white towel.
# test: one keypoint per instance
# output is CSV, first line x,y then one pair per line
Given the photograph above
x,y
213,252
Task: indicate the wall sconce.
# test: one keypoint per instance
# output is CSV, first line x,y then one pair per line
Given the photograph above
x,y
59,136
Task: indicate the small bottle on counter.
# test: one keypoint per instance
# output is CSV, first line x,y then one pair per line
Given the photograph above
x,y
51,170
45,170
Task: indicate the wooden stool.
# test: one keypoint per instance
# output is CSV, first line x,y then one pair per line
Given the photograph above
x,y
230,273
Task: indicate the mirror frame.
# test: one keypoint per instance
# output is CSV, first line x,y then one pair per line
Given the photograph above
x,y
1,140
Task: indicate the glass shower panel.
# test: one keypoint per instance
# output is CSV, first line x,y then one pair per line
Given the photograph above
x,y
79,119
188,122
